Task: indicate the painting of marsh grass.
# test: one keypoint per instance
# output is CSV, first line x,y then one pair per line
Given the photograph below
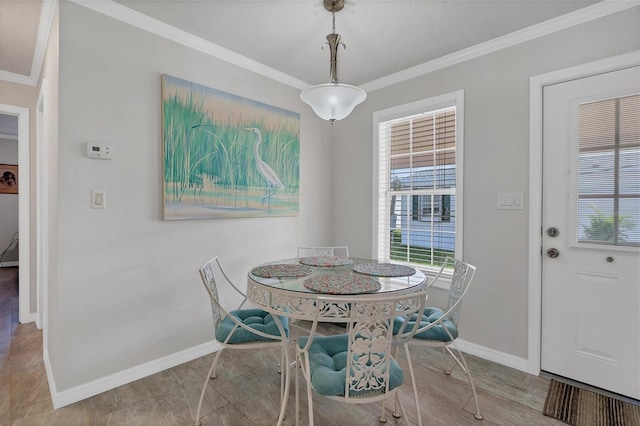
x,y
225,156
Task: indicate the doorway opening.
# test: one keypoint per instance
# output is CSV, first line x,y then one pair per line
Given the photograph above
x,y
24,267
9,235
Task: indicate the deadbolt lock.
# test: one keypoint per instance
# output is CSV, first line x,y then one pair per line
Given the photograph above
x,y
553,231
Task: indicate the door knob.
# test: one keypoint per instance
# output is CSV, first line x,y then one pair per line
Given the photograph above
x,y
609,259
553,253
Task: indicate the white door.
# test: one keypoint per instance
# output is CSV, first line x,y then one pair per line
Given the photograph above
x,y
591,231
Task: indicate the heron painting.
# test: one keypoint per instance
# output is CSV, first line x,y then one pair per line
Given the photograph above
x,y
225,156
265,170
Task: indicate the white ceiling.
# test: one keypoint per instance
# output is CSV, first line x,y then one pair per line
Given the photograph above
x,y
19,22
384,38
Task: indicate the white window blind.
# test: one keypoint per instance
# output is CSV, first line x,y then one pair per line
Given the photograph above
x,y
417,179
609,172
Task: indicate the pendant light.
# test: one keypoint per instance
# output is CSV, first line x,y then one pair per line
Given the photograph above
x,y
333,101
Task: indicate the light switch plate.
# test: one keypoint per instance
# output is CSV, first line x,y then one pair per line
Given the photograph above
x,y
510,201
98,199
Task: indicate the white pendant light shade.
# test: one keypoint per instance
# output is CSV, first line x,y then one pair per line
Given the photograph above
x,y
333,101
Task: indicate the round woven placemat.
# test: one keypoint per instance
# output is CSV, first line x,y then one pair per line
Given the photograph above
x,y
326,261
283,270
384,269
342,284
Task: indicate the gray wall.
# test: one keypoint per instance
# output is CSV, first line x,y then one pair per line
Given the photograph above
x,y
8,204
496,157
127,289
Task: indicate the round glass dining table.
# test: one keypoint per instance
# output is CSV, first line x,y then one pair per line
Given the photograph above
x,y
291,287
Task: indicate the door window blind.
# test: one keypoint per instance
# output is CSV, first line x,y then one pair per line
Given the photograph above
x,y
609,171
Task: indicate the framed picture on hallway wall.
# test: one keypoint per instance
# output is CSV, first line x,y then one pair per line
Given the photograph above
x,y
225,156
8,179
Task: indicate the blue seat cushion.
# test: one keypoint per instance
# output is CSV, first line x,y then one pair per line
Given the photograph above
x,y
429,315
256,319
328,366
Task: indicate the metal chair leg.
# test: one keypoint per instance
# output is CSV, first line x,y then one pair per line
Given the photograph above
x,y
383,417
395,413
413,384
465,368
210,375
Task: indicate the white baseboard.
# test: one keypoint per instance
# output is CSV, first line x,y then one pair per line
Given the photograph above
x,y
31,317
49,370
27,318
87,390
493,355
9,264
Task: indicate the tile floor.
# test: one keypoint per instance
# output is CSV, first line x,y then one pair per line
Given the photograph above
x,y
246,392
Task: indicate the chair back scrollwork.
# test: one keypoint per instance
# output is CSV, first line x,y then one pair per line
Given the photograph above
x,y
208,276
462,276
370,336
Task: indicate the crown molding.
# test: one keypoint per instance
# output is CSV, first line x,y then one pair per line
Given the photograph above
x,y
16,78
598,10
44,29
154,26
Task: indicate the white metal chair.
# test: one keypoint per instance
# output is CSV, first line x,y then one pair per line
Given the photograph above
x,y
356,367
323,251
440,328
248,328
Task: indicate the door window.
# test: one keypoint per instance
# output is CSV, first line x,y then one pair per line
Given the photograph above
x,y
609,172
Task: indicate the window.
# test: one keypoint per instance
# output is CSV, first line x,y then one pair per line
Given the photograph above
x,y
419,189
609,172
427,208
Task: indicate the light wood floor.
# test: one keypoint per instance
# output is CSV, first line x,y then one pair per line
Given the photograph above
x,y
246,392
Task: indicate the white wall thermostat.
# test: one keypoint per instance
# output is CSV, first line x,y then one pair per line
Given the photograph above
x,y
99,151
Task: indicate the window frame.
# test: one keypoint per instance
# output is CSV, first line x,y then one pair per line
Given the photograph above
x,y
453,99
